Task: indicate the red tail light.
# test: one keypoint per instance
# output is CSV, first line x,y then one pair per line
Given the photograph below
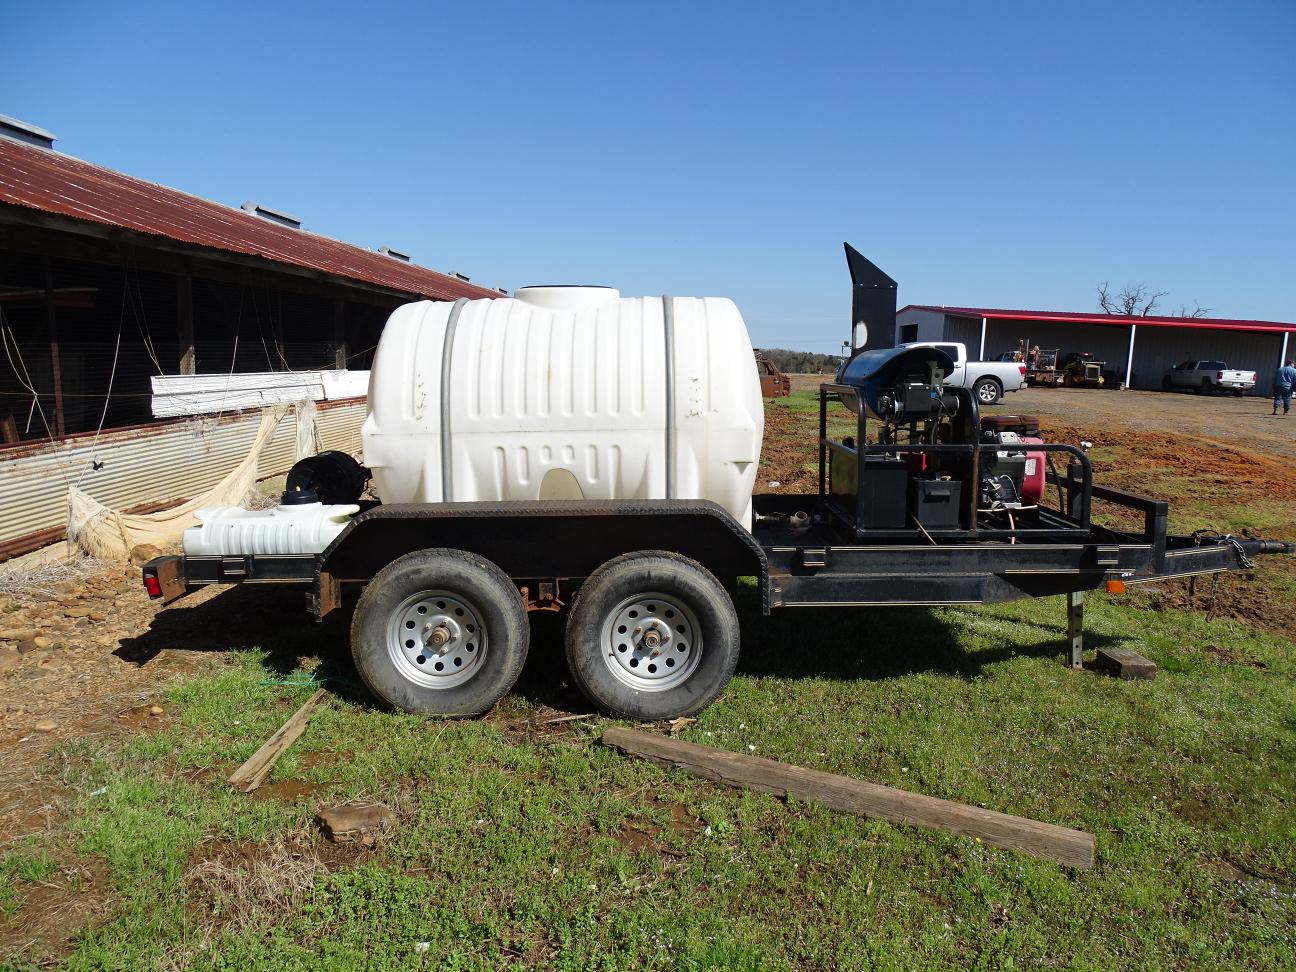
x,y
1219,376
152,585
1022,369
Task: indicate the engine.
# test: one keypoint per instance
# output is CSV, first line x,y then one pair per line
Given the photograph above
x,y
916,469
1012,477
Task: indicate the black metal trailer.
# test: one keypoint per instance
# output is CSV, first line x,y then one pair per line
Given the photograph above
x,y
905,514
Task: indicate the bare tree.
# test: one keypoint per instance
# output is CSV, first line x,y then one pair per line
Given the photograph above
x,y
1197,311
1135,301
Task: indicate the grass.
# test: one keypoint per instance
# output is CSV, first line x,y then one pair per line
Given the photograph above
x,y
19,868
552,852
541,849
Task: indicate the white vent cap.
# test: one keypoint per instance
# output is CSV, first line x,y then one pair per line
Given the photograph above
x,y
567,297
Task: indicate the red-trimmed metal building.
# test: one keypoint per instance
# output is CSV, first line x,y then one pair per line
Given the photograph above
x,y
1140,350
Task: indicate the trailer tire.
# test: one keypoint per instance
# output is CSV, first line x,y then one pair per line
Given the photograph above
x,y
988,391
471,603
682,606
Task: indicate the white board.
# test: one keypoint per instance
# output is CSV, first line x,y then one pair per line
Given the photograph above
x,y
175,395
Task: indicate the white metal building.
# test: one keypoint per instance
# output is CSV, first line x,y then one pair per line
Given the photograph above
x,y
1139,349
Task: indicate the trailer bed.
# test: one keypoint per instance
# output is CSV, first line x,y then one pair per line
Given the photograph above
x,y
817,565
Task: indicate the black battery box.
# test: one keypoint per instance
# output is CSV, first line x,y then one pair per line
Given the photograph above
x,y
935,503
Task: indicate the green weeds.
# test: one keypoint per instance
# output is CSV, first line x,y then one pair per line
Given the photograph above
x,y
548,851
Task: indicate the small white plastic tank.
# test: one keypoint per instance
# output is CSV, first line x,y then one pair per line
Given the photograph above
x,y
565,393
285,529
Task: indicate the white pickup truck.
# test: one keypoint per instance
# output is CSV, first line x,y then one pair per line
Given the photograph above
x,y
1207,376
989,380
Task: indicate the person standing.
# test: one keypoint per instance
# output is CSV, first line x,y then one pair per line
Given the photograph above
x,y
1283,381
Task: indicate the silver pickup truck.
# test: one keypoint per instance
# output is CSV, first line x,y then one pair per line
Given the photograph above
x,y
1208,376
988,380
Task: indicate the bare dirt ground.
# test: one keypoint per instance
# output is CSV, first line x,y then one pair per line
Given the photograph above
x,y
1223,462
91,657
1236,422
1235,440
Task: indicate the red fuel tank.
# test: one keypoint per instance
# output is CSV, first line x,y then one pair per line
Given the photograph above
x,y
1033,481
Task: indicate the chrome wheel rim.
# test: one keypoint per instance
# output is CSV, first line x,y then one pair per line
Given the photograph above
x,y
988,394
651,642
436,639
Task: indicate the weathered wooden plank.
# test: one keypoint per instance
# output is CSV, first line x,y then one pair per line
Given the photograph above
x,y
258,766
1071,847
1125,664
355,820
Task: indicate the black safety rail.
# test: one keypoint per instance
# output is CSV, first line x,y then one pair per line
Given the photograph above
x,y
1077,494
1071,521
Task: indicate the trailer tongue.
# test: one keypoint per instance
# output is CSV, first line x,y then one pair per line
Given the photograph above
x,y
926,503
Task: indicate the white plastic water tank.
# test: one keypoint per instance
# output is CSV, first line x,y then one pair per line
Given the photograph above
x,y
285,529
565,393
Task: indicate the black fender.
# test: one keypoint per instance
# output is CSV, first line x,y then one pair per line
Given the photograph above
x,y
549,538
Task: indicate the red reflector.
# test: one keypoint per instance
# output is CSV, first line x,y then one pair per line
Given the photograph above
x,y
153,586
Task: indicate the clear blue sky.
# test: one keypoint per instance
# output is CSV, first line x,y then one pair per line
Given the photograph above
x,y
1011,154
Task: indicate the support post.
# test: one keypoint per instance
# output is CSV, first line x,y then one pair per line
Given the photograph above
x,y
51,326
339,334
981,353
1282,355
1075,629
184,324
1129,361
277,330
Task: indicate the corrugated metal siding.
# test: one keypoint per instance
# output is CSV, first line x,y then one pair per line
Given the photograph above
x,y
1107,343
1157,348
930,324
152,464
965,331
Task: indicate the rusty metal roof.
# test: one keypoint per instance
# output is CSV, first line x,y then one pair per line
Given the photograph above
x,y
49,181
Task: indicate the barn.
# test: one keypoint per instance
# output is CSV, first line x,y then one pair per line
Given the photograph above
x,y
1139,349
109,282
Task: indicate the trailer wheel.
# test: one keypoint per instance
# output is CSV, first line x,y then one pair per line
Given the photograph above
x,y
652,635
440,632
988,391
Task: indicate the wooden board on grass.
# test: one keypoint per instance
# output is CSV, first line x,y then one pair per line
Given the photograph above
x,y
1071,847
